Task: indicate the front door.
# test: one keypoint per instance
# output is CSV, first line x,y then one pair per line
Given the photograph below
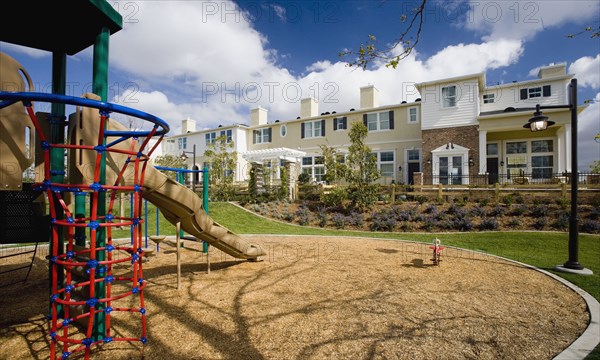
x,y
450,171
492,169
412,169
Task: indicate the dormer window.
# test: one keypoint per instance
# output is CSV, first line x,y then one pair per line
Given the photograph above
x,y
535,92
449,96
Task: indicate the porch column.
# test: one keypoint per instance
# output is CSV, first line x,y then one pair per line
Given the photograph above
x,y
482,151
567,151
561,150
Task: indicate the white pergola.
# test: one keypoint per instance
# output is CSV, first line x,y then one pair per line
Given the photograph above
x,y
260,156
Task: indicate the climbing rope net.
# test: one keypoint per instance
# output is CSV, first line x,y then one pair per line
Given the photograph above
x,y
85,290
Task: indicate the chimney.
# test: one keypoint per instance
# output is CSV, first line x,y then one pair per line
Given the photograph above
x,y
188,125
369,97
258,116
309,107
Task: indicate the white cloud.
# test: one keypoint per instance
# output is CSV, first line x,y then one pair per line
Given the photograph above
x,y
524,19
587,71
221,67
589,126
34,53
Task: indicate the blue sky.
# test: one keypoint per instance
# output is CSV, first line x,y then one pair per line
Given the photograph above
x,y
215,60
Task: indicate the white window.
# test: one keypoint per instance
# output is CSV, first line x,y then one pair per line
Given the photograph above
x,y
379,121
534,92
449,96
413,155
340,124
385,163
262,136
314,166
182,143
489,98
312,129
413,115
535,157
210,138
228,134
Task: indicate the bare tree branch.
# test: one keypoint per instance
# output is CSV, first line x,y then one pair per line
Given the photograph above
x,y
368,53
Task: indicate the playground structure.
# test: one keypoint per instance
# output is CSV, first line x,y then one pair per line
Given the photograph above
x,y
103,159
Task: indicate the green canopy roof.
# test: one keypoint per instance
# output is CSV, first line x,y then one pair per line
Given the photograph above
x,y
60,26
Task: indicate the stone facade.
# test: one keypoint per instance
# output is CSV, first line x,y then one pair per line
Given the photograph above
x,y
466,136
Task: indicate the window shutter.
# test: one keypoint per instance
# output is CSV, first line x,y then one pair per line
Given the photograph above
x,y
345,126
523,94
365,120
335,124
392,119
254,134
546,90
323,127
302,131
270,134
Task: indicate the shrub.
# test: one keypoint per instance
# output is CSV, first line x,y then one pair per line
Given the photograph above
x,y
484,201
356,219
518,210
561,222
540,210
463,224
590,226
382,221
429,223
339,220
540,223
563,203
477,211
488,224
595,214
507,200
335,197
431,209
322,217
304,215
497,210
452,209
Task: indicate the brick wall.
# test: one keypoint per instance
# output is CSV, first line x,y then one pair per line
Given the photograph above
x,y
465,136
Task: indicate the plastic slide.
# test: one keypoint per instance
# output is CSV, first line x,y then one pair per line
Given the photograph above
x,y
175,201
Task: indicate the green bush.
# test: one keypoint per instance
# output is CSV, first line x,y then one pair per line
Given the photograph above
x,y
334,198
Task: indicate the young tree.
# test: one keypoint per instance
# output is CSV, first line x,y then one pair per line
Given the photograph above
x,y
361,169
170,161
595,167
335,168
222,160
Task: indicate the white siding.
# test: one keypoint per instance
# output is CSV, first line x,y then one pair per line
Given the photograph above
x,y
509,96
435,116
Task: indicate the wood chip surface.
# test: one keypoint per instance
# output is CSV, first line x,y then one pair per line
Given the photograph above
x,y
321,298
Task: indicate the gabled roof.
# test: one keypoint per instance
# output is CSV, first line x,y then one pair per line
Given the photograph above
x,y
480,76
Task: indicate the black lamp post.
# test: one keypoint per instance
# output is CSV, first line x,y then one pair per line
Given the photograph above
x,y
184,157
540,122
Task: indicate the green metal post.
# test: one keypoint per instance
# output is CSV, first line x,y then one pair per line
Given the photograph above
x,y
205,178
100,88
57,155
181,180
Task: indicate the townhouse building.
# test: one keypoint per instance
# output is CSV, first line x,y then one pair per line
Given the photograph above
x,y
459,131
